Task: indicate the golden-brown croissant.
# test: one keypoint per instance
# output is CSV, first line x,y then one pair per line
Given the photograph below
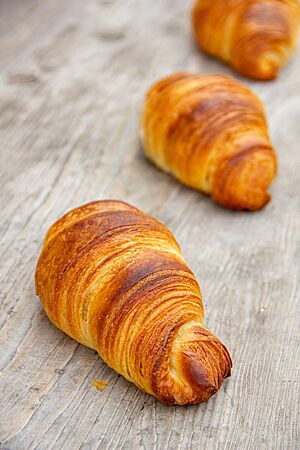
x,y
114,279
210,132
255,36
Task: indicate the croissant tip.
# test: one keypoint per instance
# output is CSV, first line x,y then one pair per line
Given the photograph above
x,y
250,206
212,389
259,75
268,68
241,182
201,362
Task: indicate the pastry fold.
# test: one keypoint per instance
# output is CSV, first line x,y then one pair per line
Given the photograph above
x,y
256,37
114,279
210,132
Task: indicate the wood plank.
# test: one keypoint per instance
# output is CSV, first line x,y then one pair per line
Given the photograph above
x,y
73,76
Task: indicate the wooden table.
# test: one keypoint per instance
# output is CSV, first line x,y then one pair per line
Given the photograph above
x,y
73,77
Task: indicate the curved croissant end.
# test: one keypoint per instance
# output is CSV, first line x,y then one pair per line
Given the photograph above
x,y
114,279
241,182
210,132
255,36
198,362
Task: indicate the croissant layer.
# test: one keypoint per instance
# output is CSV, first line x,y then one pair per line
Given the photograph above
x,y
114,279
255,36
210,132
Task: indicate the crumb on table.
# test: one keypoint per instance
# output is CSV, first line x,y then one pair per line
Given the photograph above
x,y
100,385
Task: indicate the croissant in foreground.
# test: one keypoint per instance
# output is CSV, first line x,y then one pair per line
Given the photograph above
x,y
255,36
114,279
210,132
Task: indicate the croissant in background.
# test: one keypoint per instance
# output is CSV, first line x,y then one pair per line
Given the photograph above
x,y
255,36
114,279
210,132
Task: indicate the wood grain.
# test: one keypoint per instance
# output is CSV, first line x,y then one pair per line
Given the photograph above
x,y
73,77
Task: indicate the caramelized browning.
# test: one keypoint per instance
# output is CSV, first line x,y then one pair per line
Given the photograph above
x,y
255,36
210,132
114,279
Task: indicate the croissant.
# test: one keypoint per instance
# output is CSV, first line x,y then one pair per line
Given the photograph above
x,y
255,36
114,279
210,132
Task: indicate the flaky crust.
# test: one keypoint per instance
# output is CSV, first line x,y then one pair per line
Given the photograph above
x,y
256,37
114,279
210,132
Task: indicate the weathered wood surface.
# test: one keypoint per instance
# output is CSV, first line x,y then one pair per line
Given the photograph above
x,y
73,76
